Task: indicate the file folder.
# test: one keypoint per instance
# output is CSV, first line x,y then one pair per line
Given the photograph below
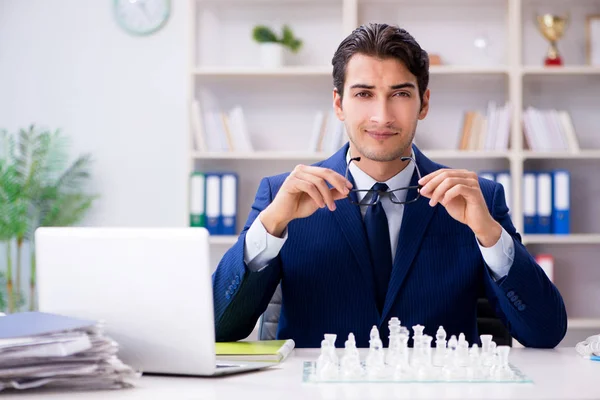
x,y
562,192
197,200
37,324
529,203
503,178
229,192
487,175
544,203
213,203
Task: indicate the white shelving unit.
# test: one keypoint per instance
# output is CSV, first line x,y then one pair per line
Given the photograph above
x,y
280,103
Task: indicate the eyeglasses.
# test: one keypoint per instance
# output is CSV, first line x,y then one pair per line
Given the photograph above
x,y
371,197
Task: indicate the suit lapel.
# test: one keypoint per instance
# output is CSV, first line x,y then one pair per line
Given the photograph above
x,y
415,220
350,220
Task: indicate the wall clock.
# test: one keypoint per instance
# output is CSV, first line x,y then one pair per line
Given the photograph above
x,y
142,17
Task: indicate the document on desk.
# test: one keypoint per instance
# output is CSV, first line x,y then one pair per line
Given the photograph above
x,y
40,349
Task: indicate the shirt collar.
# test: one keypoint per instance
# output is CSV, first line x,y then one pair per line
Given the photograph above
x,y
363,181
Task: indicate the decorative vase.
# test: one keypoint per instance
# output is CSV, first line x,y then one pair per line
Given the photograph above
x,y
271,55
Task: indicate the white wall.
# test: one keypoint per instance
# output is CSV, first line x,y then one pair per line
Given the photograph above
x,y
66,64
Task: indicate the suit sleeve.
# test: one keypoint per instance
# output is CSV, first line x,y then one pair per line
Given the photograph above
x,y
528,303
240,295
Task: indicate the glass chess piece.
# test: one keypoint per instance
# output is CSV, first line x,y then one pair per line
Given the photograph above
x,y
501,370
462,349
402,369
375,360
474,363
486,341
426,370
449,369
327,368
440,347
417,345
393,353
350,367
489,361
331,337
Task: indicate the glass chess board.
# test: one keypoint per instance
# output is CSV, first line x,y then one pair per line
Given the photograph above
x,y
418,375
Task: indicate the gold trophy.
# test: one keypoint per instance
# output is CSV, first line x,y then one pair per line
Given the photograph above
x,y
552,27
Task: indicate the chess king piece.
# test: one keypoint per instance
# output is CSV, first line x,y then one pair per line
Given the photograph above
x,y
552,27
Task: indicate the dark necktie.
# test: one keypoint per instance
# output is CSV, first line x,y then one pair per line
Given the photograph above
x,y
378,235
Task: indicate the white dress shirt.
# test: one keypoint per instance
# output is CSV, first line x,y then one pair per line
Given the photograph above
x,y
260,247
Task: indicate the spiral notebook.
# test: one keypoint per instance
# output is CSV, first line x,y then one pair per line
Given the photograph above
x,y
262,350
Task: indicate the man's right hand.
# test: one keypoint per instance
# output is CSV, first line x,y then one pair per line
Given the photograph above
x,y
303,192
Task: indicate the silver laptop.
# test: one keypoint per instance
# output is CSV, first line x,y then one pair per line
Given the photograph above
x,y
151,286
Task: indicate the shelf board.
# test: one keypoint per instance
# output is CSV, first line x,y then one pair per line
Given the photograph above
x,y
467,70
326,71
578,238
213,72
228,240
583,155
583,323
566,70
465,154
287,155
260,155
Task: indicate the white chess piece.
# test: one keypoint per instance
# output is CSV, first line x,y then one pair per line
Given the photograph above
x,y
440,347
375,361
394,343
501,370
350,367
462,355
327,367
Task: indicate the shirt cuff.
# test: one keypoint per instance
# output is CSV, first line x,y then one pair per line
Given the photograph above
x,y
260,247
499,257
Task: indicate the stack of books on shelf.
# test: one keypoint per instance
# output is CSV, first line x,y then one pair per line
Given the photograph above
x,y
328,133
486,132
213,202
217,131
549,130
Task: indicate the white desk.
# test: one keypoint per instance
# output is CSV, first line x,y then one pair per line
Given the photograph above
x,y
557,374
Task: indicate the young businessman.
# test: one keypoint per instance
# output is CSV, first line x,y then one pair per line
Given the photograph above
x,y
354,243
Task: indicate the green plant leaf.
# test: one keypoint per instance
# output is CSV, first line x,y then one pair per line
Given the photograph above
x,y
288,40
67,209
37,184
288,35
264,34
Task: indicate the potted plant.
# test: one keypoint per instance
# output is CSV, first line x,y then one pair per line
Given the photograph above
x,y
272,46
38,187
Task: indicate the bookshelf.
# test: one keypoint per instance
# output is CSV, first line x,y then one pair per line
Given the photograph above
x,y
279,103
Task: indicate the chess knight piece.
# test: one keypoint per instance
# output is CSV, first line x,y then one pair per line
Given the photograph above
x,y
552,27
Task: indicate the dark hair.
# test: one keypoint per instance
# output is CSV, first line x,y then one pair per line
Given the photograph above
x,y
382,41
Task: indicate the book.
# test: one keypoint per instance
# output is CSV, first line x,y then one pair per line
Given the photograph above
x,y
262,350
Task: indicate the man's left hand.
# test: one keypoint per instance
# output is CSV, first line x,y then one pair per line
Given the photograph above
x,y
459,192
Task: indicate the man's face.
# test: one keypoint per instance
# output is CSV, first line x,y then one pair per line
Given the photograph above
x,y
380,107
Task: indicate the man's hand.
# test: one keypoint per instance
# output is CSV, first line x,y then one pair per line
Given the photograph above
x,y
459,192
304,191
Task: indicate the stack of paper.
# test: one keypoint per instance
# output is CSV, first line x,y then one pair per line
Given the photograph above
x,y
39,349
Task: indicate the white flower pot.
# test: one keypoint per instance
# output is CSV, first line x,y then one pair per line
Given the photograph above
x,y
271,55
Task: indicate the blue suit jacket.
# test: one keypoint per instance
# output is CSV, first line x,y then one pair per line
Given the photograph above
x,y
438,273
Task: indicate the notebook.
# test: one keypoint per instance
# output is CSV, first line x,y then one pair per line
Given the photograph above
x,y
262,350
